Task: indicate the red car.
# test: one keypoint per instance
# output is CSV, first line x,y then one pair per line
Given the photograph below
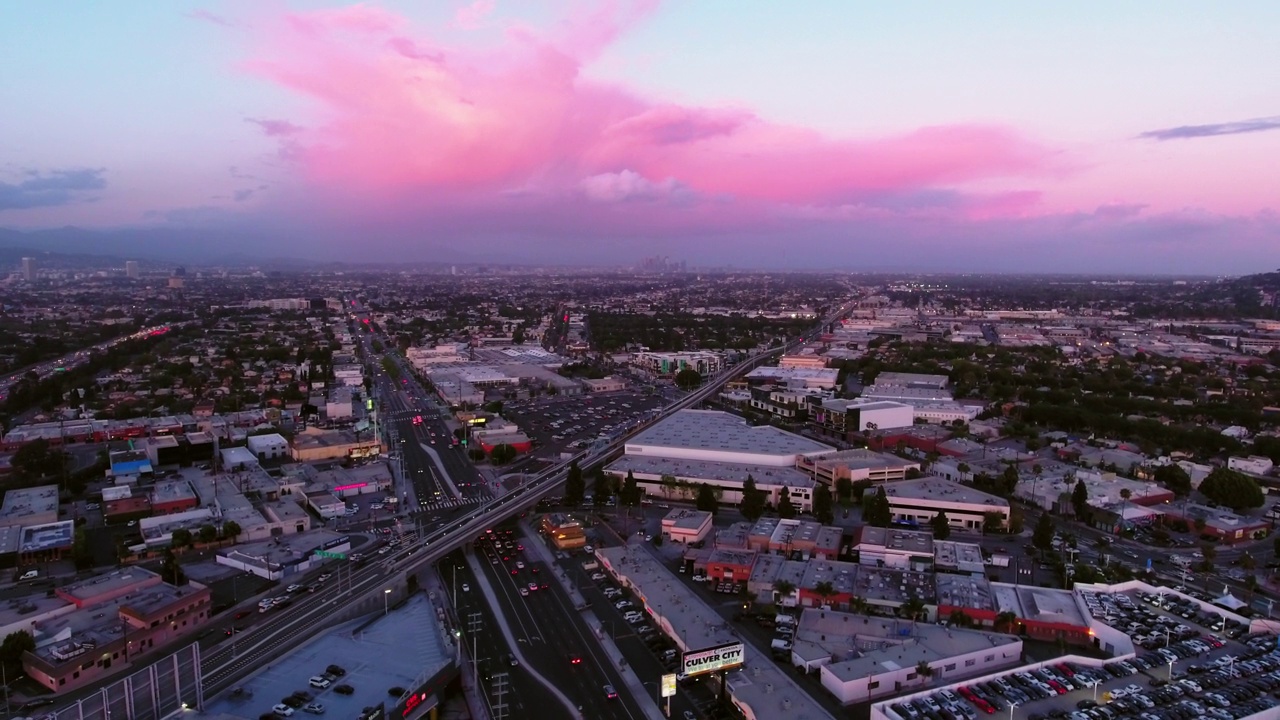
x,y
243,614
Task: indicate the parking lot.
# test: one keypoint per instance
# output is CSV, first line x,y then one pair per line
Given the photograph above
x,y
558,424
1189,663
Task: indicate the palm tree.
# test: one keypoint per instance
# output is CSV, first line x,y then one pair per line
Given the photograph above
x,y
1125,494
782,589
924,672
913,609
859,605
1006,622
824,590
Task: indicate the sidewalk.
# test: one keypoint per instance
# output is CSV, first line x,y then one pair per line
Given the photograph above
x,y
643,697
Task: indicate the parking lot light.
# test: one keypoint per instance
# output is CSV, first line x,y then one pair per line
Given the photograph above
x,y
1095,685
1012,705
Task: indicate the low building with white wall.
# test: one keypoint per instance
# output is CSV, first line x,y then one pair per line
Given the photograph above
x,y
918,501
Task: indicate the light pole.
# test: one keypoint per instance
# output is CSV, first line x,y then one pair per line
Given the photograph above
x,y
1170,678
1012,706
1095,685
386,594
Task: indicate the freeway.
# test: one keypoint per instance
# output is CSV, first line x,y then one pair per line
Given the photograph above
x,y
553,633
487,647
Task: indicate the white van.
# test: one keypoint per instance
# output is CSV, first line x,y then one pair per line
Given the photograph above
x,y
30,575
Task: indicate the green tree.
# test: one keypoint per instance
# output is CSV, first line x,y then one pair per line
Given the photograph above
x,y
207,534
875,509
1174,478
14,645
38,459
1042,536
960,618
844,490
823,507
181,538
1232,489
231,530
707,501
825,590
1080,500
502,454
782,589
753,500
924,672
786,510
630,495
688,379
993,522
574,486
81,550
941,526
170,570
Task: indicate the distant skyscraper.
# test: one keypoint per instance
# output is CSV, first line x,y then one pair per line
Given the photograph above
x,y
453,269
28,269
131,269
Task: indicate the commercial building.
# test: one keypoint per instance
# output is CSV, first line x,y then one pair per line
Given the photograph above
x,y
720,450
131,269
795,377
277,558
29,506
667,364
861,658
177,496
79,648
128,466
841,416
762,691
316,444
1255,464
894,548
564,531
603,385
855,466
340,404
918,501
945,413
686,527
28,269
45,543
268,447
1226,526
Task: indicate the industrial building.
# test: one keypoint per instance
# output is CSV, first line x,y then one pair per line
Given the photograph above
x,y
918,501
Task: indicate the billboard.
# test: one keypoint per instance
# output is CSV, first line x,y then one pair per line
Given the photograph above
x,y
344,540
668,685
721,657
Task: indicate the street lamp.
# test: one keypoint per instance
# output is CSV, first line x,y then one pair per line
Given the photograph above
x,y
385,595
1171,662
1095,685
1012,705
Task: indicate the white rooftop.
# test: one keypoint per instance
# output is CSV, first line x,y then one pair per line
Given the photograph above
x,y
716,430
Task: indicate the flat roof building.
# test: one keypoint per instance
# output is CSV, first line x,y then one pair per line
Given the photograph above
x,y
719,436
918,501
761,689
686,526
30,506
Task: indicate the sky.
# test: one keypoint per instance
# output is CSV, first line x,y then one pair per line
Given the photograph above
x,y
1004,136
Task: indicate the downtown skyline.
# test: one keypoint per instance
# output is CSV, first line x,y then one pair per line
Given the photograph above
x,y
991,137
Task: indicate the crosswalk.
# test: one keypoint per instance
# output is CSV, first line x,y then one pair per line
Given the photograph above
x,y
451,503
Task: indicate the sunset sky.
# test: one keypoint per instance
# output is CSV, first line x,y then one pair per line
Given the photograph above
x,y
1011,136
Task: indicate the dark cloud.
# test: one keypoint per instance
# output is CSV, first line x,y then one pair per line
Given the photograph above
x,y
59,187
1197,131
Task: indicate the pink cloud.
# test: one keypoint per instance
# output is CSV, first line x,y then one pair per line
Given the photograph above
x,y
470,17
401,114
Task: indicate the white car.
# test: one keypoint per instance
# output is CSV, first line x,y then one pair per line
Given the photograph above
x,y
699,578
524,592
588,549
466,587
293,588
598,576
282,710
519,566
313,708
317,681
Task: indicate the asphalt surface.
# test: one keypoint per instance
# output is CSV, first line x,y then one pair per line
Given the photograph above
x,y
552,632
